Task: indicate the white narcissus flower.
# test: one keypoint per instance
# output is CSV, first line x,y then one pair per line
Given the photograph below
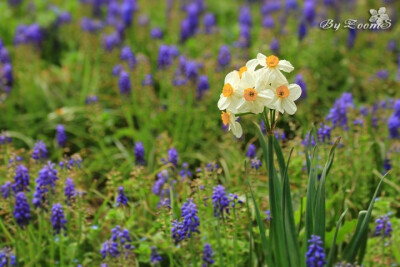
x,y
272,64
284,94
379,17
230,96
254,98
229,118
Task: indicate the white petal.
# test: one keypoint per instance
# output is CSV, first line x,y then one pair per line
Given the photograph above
x,y
237,129
278,79
247,81
231,77
278,106
285,65
382,10
384,17
289,106
257,106
379,21
295,92
262,60
252,64
223,103
266,94
373,19
373,12
242,106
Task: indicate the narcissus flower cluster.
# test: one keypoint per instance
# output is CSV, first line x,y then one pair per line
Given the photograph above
x,y
258,85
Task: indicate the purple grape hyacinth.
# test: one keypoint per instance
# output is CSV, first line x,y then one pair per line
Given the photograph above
x,y
208,255
220,201
383,227
155,257
139,154
121,199
69,190
61,135
315,256
39,151
22,210
58,218
21,179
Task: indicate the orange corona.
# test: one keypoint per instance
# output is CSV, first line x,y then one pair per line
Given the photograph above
x,y
282,91
225,117
242,70
227,91
250,94
272,61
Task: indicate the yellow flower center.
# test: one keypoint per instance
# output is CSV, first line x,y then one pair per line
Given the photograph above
x,y
225,117
250,94
282,91
242,70
227,91
272,61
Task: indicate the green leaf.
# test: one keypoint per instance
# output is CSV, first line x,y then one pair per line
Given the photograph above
x,y
358,240
292,243
277,237
264,241
319,214
333,246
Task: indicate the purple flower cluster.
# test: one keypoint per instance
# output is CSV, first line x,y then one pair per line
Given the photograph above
x,y
315,256
6,190
124,83
7,258
166,54
190,24
47,179
91,100
209,22
208,255
139,154
189,225
119,242
61,136
324,133
69,190
155,257
156,33
22,210
300,81
121,198
383,227
185,172
255,163
40,151
148,80
6,70
4,138
58,218
173,156
90,25
202,86
162,178
394,121
128,56
28,34
220,201
21,179
224,56
338,114
245,23
251,151
309,140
